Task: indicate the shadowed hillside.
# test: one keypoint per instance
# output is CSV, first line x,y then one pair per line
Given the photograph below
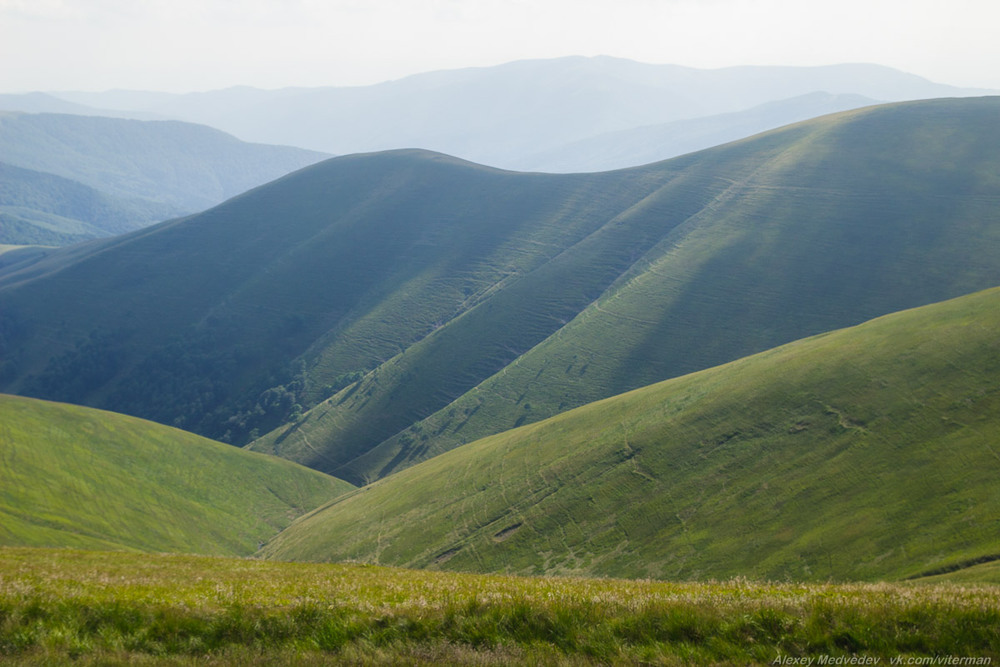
x,y
282,294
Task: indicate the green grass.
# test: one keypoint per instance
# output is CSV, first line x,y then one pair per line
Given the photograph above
x,y
73,476
980,573
863,454
107,608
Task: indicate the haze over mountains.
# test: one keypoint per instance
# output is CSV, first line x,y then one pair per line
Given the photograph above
x,y
66,178
561,115
650,143
527,115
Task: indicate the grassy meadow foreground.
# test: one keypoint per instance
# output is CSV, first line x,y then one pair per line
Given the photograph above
x,y
107,607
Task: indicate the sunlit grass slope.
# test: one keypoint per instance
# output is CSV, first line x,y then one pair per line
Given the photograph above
x,y
73,476
862,454
62,606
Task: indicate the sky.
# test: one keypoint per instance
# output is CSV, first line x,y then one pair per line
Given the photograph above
x,y
194,45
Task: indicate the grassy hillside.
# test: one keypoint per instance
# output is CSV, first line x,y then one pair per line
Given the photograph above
x,y
150,170
820,225
371,311
866,453
226,320
62,606
73,476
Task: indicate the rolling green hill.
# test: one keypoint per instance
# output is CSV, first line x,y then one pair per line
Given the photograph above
x,y
862,454
821,225
372,311
226,320
79,477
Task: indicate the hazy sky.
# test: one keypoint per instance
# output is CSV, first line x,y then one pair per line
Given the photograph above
x,y
187,45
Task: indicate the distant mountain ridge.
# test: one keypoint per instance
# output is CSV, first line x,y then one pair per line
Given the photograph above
x,y
501,115
372,311
39,102
44,209
142,171
650,143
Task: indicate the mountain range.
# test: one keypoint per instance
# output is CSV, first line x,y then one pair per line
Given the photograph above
x,y
525,115
82,165
66,178
372,311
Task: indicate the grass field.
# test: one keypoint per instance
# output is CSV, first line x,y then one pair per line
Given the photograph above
x,y
90,607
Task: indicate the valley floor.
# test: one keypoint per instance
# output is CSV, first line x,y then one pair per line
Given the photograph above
x,y
91,607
